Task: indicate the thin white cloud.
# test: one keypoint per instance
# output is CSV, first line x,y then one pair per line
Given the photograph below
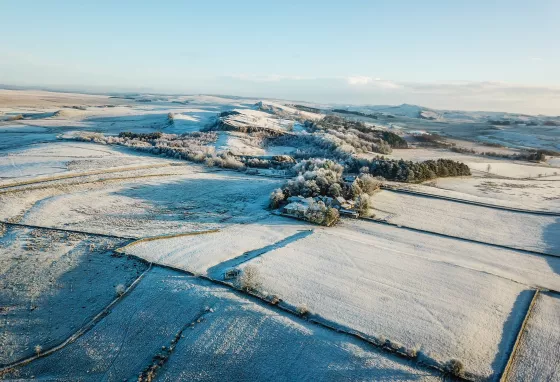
x,y
359,80
376,82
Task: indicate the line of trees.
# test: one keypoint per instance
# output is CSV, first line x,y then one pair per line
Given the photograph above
x,y
530,156
352,112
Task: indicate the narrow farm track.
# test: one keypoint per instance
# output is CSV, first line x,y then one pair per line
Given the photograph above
x,y
528,251
80,332
471,202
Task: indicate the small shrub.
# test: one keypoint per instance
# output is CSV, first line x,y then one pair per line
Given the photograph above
x,y
120,289
276,197
368,184
319,213
356,189
15,117
249,279
302,310
396,346
381,339
38,349
232,163
362,204
454,367
414,351
331,217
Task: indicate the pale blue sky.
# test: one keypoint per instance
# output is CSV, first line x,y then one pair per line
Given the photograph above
x,y
326,51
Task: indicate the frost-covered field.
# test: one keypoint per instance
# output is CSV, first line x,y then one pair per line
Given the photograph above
x,y
387,290
155,202
514,170
538,195
43,161
532,270
539,351
513,229
51,283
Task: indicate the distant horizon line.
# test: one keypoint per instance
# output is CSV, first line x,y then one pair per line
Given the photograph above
x,y
87,90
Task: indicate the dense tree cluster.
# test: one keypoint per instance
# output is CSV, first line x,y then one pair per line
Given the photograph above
x,y
314,177
352,112
506,122
306,108
499,122
407,171
278,162
394,140
433,140
324,178
319,213
140,136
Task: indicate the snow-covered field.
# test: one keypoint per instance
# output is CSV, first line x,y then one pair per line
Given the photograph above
x,y
225,337
50,159
538,356
538,195
532,270
161,201
513,229
513,170
378,287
